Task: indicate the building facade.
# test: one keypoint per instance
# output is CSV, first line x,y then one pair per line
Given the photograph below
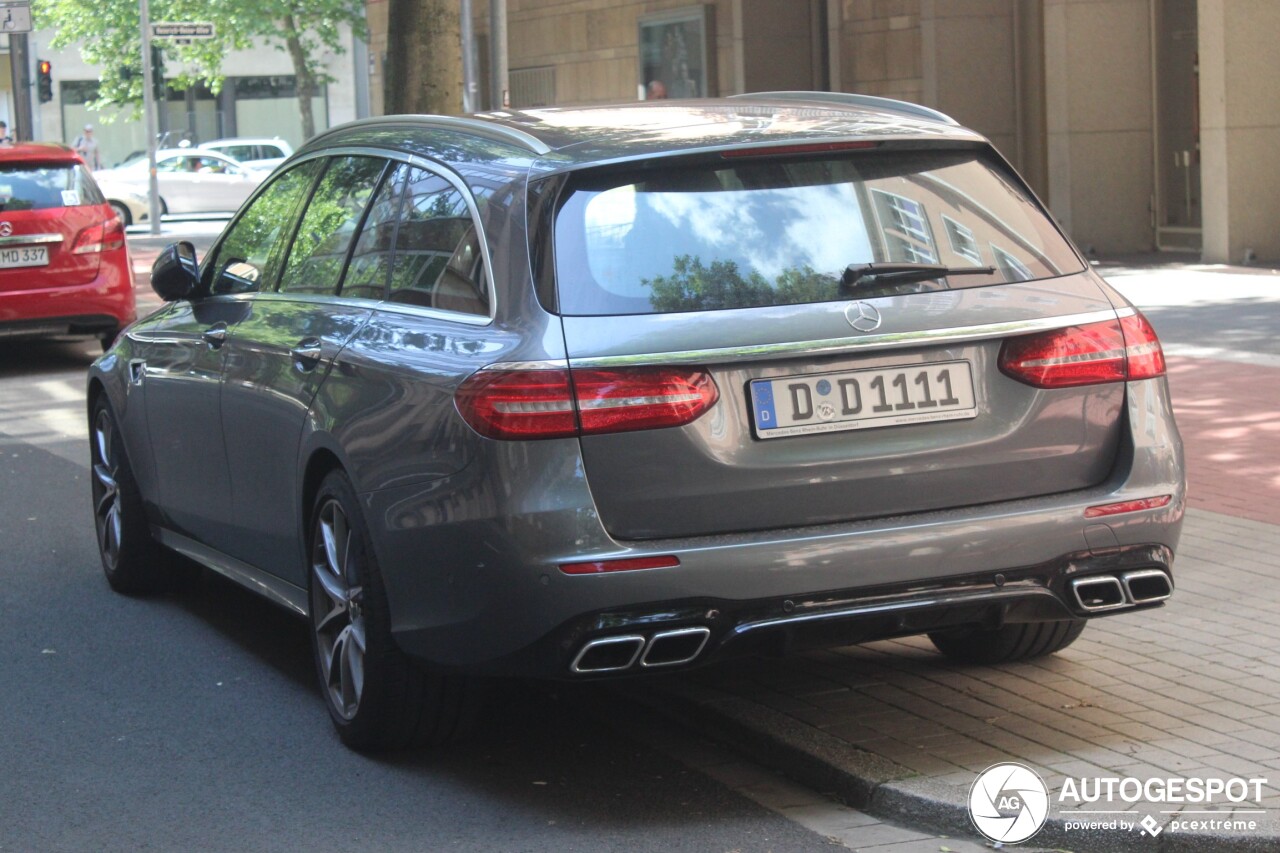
x,y
1142,123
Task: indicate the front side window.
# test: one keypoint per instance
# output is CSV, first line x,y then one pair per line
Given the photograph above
x,y
725,234
437,260
337,206
33,186
248,258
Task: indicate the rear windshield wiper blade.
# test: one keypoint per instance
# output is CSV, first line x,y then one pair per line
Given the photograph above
x,y
901,272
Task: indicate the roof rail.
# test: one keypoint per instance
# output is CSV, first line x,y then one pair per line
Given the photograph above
x,y
491,129
850,99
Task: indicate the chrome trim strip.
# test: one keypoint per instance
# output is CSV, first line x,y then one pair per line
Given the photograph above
x,y
549,364
490,129
845,99
269,586
30,239
837,346
608,641
876,609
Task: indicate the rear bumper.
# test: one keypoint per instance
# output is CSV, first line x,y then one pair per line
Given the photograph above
x,y
484,593
104,305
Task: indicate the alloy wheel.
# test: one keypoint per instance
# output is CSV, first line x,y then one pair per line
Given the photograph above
x,y
337,609
107,510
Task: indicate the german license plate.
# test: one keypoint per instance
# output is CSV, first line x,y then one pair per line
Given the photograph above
x,y
24,256
860,399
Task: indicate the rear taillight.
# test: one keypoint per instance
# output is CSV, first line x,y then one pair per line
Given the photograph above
x,y
1110,351
99,238
530,404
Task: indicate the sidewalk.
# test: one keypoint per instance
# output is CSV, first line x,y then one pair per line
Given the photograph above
x,y
1188,690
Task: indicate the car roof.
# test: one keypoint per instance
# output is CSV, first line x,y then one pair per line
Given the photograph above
x,y
45,152
560,138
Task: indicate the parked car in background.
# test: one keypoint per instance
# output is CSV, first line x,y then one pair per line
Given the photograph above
x,y
253,152
596,392
129,204
64,269
190,181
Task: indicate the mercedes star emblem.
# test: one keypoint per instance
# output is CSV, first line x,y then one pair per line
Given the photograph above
x,y
5,229
862,316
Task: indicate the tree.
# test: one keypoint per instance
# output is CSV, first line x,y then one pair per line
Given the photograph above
x,y
424,57
107,33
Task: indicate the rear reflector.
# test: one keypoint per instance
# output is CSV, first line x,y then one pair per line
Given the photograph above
x,y
1110,351
1127,506
630,564
534,404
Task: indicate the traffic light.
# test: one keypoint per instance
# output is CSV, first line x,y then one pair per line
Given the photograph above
x,y
157,72
44,80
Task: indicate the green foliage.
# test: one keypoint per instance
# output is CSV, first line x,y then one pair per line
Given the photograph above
x,y
693,286
108,33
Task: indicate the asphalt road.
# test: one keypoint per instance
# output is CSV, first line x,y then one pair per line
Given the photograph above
x,y
190,721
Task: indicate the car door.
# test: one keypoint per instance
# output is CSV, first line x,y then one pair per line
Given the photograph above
x,y
280,355
180,357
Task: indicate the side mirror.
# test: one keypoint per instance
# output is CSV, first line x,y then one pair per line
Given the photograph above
x,y
176,273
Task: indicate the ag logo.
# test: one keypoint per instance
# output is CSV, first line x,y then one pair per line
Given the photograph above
x,y
1008,803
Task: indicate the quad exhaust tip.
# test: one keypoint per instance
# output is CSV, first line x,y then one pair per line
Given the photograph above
x,y
666,648
1108,592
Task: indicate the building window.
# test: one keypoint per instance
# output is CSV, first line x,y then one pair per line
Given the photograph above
x,y
675,54
963,243
905,224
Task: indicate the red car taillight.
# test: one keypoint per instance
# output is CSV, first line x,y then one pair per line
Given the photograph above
x,y
1110,351
100,238
531,404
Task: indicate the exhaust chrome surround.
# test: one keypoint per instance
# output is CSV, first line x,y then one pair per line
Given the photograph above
x,y
634,640
700,635
1152,585
1104,588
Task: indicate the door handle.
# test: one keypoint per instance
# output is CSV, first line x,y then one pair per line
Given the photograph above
x,y
306,354
216,335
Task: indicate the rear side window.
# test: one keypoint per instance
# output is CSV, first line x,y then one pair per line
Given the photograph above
x,y
249,257
332,218
747,233
29,186
437,260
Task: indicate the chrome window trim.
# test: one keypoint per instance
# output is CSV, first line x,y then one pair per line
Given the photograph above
x,y
838,346
392,156
30,239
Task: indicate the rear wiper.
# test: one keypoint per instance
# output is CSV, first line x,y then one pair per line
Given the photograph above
x,y
899,272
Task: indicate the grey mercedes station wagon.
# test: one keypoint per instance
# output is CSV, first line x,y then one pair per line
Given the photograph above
x,y
597,392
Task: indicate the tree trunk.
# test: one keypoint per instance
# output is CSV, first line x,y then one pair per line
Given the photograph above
x,y
303,75
424,57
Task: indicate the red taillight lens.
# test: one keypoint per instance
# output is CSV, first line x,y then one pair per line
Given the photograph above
x,y
98,238
532,404
648,398
1110,351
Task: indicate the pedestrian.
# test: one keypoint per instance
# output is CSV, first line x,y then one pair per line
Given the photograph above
x,y
87,147
4,132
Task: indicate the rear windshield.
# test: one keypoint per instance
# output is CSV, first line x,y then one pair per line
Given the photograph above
x,y
28,186
778,232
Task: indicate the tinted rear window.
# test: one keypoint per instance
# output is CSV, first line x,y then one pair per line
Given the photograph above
x,y
747,233
28,186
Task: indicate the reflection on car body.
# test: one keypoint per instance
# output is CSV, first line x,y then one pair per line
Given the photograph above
x,y
594,392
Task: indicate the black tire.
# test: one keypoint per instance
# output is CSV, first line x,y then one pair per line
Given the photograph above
x,y
122,212
1009,643
132,560
377,697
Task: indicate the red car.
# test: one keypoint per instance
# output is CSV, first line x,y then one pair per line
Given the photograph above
x,y
64,269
